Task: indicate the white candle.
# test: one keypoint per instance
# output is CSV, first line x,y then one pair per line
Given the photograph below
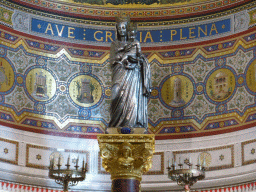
x,y
68,160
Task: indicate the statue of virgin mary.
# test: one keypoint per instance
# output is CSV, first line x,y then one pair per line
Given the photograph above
x,y
131,79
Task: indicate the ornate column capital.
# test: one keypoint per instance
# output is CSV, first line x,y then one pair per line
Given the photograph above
x,y
126,156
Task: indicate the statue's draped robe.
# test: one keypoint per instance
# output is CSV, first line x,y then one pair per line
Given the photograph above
x,y
130,89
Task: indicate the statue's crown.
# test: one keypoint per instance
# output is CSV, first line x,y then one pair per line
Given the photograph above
x,y
122,18
132,26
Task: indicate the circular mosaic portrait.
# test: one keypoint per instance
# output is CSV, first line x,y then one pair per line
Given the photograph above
x,y
40,84
6,76
220,85
177,91
85,90
251,77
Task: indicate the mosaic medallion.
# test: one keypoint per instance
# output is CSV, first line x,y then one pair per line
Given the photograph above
x,y
251,77
177,91
40,84
220,85
85,90
6,76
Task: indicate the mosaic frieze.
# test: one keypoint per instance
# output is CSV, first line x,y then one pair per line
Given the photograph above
x,y
57,93
66,31
204,88
70,30
145,10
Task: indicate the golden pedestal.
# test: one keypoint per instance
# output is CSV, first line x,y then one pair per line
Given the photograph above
x,y
126,156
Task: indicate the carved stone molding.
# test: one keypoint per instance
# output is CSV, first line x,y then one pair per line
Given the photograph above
x,y
126,156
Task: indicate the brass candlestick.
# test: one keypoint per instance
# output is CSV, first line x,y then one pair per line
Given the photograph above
x,y
67,177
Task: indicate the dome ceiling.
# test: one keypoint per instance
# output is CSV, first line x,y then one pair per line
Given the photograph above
x,y
137,9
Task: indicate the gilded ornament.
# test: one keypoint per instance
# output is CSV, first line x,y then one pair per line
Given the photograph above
x,y
126,156
84,129
177,129
177,53
222,124
20,80
240,80
62,88
38,124
6,150
199,88
154,92
108,92
42,46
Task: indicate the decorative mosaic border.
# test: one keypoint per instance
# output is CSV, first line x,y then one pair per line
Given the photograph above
x,y
93,11
161,171
17,151
143,15
29,146
243,153
231,147
164,57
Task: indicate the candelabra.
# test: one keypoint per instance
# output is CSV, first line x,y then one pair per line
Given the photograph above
x,y
186,176
67,177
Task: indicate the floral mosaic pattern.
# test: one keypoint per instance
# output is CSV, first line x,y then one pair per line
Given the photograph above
x,y
241,99
63,68
19,99
164,119
103,111
158,73
199,107
104,73
156,110
199,69
20,60
62,107
240,60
